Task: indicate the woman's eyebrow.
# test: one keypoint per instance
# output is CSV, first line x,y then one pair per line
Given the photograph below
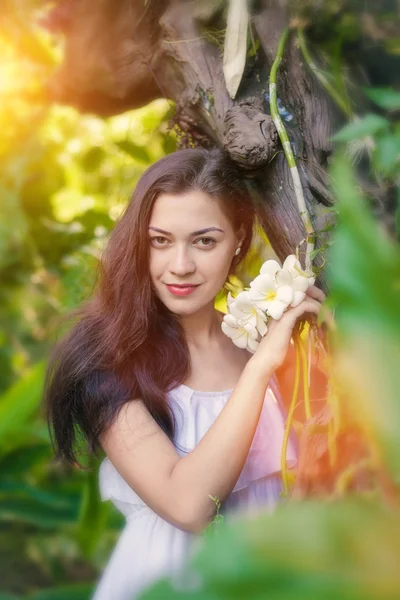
x,y
199,232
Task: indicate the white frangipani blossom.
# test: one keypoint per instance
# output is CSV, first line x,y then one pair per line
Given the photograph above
x,y
270,267
274,290
243,336
271,296
301,280
251,313
252,345
233,310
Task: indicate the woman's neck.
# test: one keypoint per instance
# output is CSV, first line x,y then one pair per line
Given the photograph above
x,y
203,327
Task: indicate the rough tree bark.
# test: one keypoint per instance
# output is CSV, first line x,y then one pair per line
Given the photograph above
x,y
121,54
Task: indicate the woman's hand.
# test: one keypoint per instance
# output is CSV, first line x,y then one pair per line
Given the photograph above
x,y
274,346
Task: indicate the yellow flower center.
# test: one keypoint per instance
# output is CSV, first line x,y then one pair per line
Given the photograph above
x,y
271,296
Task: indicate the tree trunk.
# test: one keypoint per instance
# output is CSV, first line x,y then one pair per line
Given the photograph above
x,y
138,51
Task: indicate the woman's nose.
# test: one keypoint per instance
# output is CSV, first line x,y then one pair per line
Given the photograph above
x,y
181,261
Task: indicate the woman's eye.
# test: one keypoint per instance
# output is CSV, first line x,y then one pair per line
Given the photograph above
x,y
159,239
206,239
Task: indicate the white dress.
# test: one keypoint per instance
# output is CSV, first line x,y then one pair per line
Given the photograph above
x,y
150,547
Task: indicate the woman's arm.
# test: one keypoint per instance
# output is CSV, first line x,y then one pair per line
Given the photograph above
x,y
178,488
215,464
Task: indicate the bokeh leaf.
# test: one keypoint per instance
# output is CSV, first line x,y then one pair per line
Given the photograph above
x,y
79,591
370,124
346,550
133,150
93,513
21,401
386,97
364,273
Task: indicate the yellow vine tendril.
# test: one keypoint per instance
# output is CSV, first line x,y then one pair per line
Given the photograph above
x,y
289,420
306,391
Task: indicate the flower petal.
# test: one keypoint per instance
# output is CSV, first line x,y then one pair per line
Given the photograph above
x,y
283,277
262,304
261,327
252,345
252,319
300,283
298,297
284,294
244,303
311,280
263,284
229,299
291,263
230,320
229,331
276,309
241,340
251,330
270,267
238,314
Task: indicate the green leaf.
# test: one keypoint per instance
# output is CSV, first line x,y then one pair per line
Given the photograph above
x,y
134,151
20,402
315,252
360,128
303,551
78,591
397,214
20,490
27,510
387,153
363,263
387,98
23,459
392,46
363,270
93,158
93,513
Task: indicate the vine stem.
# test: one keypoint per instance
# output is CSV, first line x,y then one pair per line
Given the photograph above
x,y
306,390
287,148
289,420
320,76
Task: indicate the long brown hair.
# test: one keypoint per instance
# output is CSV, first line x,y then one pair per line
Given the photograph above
x,y
125,344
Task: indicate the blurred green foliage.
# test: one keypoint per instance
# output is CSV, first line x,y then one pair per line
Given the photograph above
x,y
64,180
345,550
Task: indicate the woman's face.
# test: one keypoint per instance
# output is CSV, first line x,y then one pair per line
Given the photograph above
x,y
191,242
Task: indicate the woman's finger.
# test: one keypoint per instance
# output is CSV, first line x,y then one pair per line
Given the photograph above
x,y
314,292
308,305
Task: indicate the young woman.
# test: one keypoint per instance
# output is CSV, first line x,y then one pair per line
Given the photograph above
x,y
147,374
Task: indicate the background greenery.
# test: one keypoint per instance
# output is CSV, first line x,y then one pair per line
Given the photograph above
x,y
64,179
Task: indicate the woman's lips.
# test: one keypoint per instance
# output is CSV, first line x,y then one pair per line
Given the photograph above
x,y
181,291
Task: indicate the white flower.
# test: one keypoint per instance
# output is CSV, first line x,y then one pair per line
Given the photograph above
x,y
250,313
252,345
272,294
301,280
243,336
270,267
